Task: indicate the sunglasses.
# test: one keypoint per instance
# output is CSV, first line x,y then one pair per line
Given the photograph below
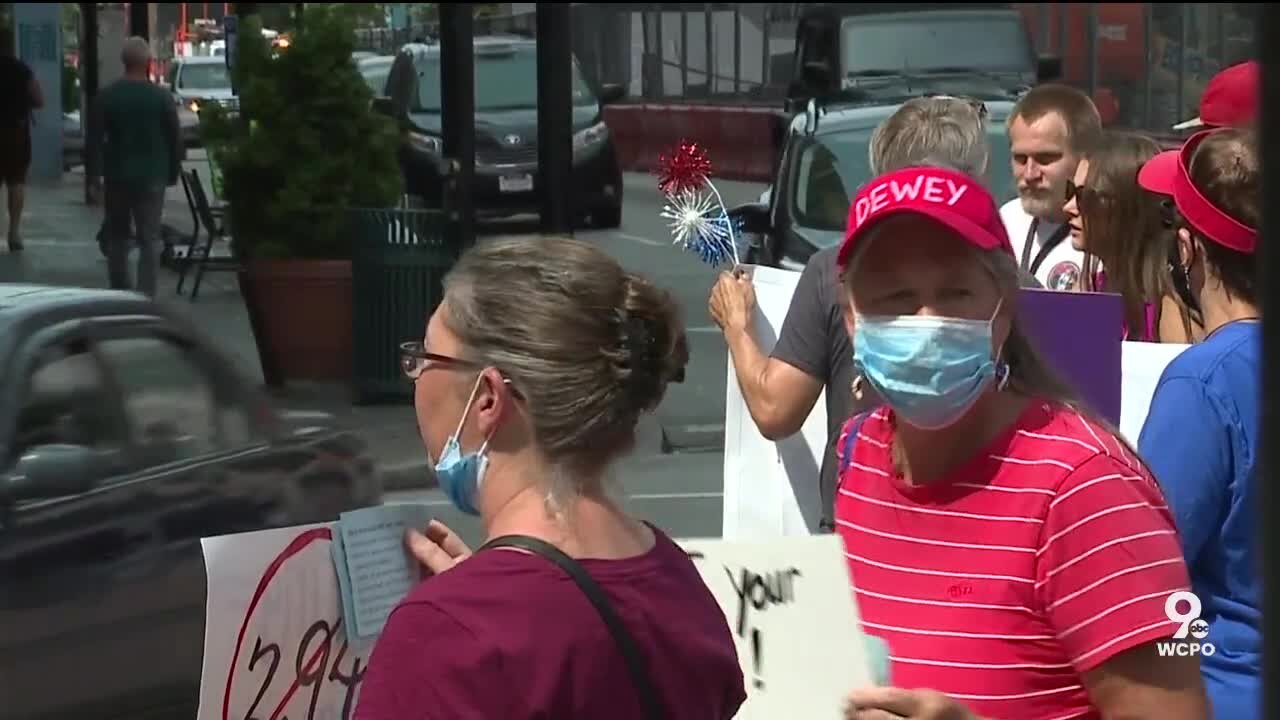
x,y
415,359
1083,195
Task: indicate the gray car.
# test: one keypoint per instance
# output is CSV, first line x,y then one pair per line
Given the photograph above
x,y
197,82
126,437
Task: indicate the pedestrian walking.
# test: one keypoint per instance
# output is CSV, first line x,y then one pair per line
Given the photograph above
x,y
137,127
20,94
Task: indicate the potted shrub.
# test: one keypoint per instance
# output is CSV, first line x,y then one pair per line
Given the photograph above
x,y
305,150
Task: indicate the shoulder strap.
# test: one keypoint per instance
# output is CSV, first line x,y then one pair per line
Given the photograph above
x,y
595,594
851,439
1050,243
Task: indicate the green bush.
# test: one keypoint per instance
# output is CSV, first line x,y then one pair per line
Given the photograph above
x,y
313,149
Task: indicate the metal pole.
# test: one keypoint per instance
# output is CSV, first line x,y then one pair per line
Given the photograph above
x,y
458,114
766,57
89,80
1091,45
737,49
1149,67
555,117
709,27
684,53
661,18
1183,33
1268,48
139,20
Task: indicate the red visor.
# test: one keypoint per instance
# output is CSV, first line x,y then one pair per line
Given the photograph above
x,y
954,199
1167,174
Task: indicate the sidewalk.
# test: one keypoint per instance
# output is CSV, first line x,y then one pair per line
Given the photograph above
x,y
60,234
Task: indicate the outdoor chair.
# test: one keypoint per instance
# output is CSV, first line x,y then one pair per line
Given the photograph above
x,y
204,256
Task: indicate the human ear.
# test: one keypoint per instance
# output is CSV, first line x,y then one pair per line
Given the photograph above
x,y
1186,248
492,400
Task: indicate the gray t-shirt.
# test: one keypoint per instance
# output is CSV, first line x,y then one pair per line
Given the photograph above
x,y
814,340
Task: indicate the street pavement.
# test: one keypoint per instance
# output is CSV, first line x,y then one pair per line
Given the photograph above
x,y
673,477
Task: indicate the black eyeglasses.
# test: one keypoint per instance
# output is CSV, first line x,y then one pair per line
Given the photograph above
x,y
414,359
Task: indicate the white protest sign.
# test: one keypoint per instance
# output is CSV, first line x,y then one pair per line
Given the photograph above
x,y
1141,365
274,644
760,499
790,608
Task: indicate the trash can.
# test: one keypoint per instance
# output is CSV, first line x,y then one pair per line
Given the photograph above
x,y
398,260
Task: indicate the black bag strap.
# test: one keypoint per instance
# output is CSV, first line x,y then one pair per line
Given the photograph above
x,y
1050,243
593,591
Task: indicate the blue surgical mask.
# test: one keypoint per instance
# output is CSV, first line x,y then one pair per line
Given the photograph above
x,y
460,475
930,370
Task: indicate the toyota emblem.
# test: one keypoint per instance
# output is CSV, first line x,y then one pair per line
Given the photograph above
x,y
513,139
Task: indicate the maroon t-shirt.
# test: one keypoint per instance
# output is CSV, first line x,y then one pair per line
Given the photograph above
x,y
508,635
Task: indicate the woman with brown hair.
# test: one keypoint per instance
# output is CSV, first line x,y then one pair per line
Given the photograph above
x,y
1122,230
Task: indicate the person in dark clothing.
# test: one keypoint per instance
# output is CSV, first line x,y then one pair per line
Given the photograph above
x,y
137,126
20,93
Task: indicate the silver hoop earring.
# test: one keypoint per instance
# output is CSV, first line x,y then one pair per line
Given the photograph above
x,y
1002,375
856,387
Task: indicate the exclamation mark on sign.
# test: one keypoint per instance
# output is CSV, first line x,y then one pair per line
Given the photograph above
x,y
757,657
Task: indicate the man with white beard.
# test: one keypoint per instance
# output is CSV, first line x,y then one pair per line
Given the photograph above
x,y
1047,128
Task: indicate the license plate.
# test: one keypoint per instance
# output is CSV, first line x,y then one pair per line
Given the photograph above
x,y
515,183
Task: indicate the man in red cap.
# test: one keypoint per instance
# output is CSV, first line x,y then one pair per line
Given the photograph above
x,y
1229,100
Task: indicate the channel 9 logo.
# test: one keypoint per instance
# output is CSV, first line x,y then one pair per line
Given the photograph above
x,y
1184,608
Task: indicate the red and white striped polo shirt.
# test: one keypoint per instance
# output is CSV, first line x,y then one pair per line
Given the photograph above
x,y
1046,554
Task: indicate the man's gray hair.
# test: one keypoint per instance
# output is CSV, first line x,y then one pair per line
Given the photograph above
x,y
136,52
940,131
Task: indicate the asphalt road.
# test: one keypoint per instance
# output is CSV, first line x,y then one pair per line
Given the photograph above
x,y
693,413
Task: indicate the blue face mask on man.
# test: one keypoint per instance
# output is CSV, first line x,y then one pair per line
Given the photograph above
x,y
460,475
930,370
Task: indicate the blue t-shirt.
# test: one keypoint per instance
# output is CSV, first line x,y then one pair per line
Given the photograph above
x,y
1201,439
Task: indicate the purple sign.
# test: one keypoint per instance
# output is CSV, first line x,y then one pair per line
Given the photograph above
x,y
1079,335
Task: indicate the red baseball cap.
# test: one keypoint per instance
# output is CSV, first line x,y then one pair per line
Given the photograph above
x,y
952,198
1230,99
1167,174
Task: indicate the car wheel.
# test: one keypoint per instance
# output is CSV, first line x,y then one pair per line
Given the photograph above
x,y
608,218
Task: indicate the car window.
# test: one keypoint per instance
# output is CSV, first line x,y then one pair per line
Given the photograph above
x,y
375,75
918,43
504,79
67,402
204,76
828,173
170,401
834,166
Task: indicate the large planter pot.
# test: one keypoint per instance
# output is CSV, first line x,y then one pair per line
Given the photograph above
x,y
304,311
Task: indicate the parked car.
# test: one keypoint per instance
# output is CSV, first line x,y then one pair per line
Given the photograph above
x,y
850,49
126,438
195,82
825,159
374,69
506,152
